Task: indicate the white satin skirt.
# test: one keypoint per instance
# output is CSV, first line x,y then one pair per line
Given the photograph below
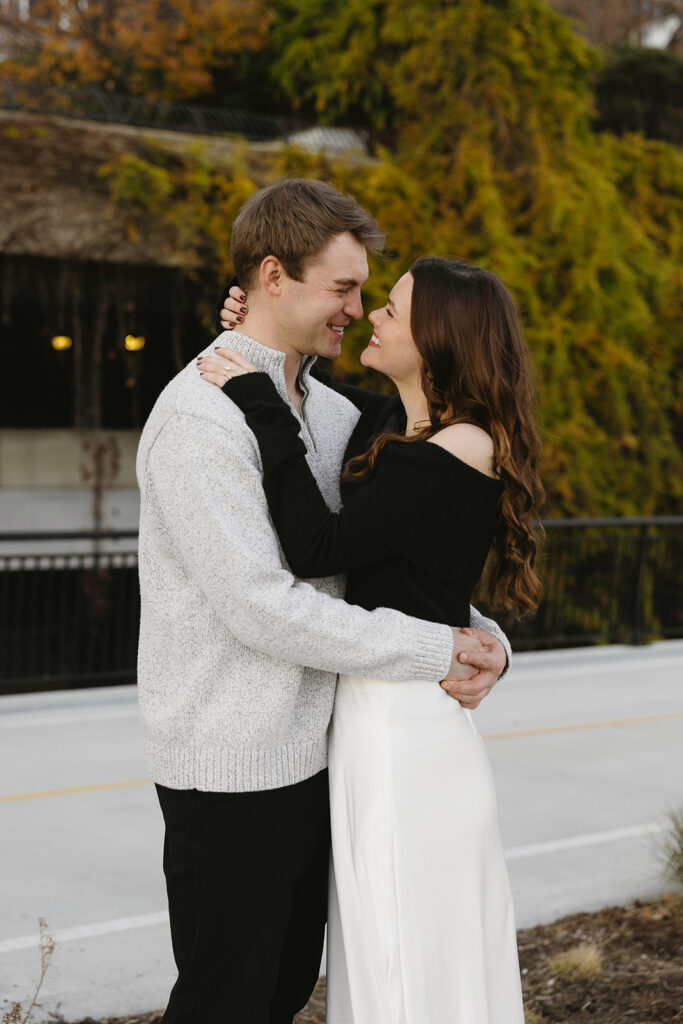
x,y
420,923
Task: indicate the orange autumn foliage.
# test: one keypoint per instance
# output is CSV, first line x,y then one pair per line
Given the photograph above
x,y
161,49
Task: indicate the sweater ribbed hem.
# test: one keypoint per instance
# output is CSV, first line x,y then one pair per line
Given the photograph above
x,y
434,653
234,771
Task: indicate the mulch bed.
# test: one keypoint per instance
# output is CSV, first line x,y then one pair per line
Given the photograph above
x,y
640,981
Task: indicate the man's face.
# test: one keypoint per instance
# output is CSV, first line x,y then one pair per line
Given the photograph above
x,y
315,311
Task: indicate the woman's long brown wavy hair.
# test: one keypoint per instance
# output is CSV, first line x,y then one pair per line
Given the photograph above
x,y
476,369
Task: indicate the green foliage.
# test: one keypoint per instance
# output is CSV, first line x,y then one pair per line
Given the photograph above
x,y
138,182
488,108
416,68
500,71
673,848
600,290
195,198
327,58
24,131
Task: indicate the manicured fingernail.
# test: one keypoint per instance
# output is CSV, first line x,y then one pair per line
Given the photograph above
x,y
243,298
239,319
243,308
231,323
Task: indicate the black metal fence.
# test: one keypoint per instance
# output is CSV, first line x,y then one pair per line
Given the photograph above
x,y
94,104
605,581
69,610
69,603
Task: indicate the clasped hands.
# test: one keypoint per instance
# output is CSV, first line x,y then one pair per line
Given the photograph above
x,y
478,659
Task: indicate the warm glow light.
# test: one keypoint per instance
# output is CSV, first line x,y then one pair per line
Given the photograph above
x,y
62,342
134,342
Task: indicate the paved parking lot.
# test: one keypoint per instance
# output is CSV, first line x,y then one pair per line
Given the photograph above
x,y
586,750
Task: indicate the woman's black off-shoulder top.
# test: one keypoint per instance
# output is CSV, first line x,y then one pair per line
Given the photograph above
x,y
414,536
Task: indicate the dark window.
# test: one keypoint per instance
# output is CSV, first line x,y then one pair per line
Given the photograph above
x,y
96,381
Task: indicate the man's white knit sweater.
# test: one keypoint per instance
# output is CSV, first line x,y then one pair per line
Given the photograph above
x,y
238,659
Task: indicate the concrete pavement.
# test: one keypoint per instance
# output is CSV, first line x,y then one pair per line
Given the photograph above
x,y
586,752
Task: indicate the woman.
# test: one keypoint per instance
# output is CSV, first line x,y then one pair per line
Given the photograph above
x,y
420,925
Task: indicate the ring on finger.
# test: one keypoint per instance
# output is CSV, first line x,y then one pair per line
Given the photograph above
x,y
227,369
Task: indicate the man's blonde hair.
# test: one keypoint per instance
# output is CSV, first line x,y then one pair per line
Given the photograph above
x,y
294,219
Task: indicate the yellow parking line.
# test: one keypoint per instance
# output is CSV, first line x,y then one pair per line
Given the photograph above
x,y
75,789
547,730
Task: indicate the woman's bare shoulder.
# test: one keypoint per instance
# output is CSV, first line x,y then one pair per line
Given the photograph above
x,y
468,443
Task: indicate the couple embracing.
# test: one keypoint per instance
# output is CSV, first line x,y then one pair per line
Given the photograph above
x,y
308,545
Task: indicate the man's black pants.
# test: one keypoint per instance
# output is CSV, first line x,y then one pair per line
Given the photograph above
x,y
246,875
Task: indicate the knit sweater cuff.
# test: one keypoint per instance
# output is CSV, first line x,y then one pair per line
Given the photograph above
x,y
434,651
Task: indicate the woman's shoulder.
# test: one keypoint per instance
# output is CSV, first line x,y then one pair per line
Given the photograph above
x,y
468,443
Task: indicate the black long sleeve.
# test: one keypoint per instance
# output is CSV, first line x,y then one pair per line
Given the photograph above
x,y
414,535
316,541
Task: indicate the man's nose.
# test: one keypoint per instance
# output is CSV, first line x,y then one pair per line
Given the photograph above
x,y
353,306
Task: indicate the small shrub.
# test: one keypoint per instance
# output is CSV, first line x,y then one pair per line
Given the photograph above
x,y
16,1014
581,961
673,848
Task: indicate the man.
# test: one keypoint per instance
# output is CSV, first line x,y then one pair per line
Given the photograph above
x,y
238,659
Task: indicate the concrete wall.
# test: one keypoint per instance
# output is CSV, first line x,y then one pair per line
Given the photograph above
x,y
48,479
60,458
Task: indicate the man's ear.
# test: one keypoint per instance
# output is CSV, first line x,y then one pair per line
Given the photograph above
x,y
271,275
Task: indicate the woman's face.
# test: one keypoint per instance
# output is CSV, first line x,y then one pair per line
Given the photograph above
x,y
392,349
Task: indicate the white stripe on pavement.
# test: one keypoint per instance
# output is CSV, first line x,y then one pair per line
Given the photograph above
x,y
29,719
122,924
589,839
87,931
585,670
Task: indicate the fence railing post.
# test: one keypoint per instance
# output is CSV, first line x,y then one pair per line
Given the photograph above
x,y
638,602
